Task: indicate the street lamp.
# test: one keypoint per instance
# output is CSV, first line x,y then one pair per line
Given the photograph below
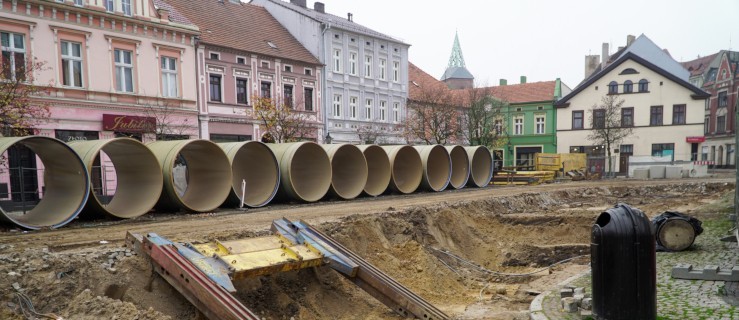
x,y
328,138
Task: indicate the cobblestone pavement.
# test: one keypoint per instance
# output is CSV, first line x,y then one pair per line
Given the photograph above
x,y
677,298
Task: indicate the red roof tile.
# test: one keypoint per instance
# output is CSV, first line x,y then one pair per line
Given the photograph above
x,y
242,27
698,66
526,92
420,81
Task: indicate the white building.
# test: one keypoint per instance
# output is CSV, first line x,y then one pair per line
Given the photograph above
x,y
365,73
664,109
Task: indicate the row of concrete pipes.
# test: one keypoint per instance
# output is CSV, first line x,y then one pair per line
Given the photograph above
x,y
231,174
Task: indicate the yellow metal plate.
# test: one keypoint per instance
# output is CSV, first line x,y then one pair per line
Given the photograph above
x,y
272,261
253,244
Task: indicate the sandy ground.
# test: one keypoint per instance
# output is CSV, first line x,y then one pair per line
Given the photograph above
x,y
506,229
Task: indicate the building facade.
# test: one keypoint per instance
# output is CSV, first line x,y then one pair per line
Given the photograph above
x,y
665,111
246,54
108,63
365,73
718,74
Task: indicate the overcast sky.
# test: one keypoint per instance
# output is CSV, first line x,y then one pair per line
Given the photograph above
x,y
543,39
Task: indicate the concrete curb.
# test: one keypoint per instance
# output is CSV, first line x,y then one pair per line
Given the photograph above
x,y
536,308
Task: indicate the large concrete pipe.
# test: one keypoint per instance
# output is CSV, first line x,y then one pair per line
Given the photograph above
x,y
348,170
378,169
406,168
305,170
197,175
481,166
254,166
460,166
65,183
437,167
137,181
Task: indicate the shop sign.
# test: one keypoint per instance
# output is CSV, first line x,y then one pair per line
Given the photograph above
x,y
695,139
123,123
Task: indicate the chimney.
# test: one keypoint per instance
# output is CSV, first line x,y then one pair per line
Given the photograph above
x,y
320,7
299,3
163,14
591,62
523,79
604,54
350,16
630,39
503,82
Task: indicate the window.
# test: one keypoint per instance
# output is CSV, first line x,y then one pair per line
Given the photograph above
x,y
663,149
396,112
720,124
368,109
539,123
723,99
643,85
498,126
288,68
217,137
628,86
627,148
613,87
308,72
14,55
678,114
78,3
287,93
518,125
240,60
706,124
308,96
353,107
123,70
368,66
396,71
337,105
599,119
337,60
266,89
72,64
383,110
627,117
242,90
655,116
577,119
126,7
353,63
169,77
215,87
383,68
110,5
215,56
265,64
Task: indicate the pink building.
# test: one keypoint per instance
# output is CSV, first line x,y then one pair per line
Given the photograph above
x,y
244,52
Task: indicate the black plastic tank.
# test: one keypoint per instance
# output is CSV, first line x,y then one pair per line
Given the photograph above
x,y
622,256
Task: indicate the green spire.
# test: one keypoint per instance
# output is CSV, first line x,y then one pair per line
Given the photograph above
x,y
456,59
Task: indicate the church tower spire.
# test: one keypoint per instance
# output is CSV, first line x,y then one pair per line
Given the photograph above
x,y
456,59
456,75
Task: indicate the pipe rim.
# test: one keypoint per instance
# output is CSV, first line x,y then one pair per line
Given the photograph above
x,y
475,153
233,149
356,180
378,179
393,153
427,152
458,151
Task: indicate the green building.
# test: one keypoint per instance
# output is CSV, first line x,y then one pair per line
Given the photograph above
x,y
530,121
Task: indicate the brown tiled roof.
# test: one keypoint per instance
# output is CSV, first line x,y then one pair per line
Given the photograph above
x,y
419,81
174,15
698,66
242,27
526,92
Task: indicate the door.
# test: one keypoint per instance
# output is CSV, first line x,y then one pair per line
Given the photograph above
x,y
623,163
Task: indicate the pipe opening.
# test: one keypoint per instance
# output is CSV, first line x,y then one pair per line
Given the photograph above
x,y
437,167
460,167
348,170
378,170
481,166
305,170
406,168
256,169
43,183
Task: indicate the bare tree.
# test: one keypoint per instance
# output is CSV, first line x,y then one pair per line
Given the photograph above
x,y
21,110
376,131
165,125
282,121
484,118
608,128
434,117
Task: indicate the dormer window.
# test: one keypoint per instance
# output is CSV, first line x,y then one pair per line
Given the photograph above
x,y
613,87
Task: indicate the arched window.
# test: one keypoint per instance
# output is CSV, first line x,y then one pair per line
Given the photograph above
x,y
643,85
628,86
613,87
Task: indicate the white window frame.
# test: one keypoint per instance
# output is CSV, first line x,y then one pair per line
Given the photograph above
x,y
396,112
308,71
13,49
337,105
540,121
109,5
367,66
353,62
79,3
383,68
121,67
337,60
169,76
518,125
240,57
292,98
287,66
127,7
396,71
383,110
353,107
236,90
69,60
220,87
369,103
211,53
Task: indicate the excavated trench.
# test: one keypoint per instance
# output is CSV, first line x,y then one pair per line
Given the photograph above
x,y
438,252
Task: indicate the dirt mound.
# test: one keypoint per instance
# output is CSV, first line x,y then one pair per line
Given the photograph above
x,y
85,306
